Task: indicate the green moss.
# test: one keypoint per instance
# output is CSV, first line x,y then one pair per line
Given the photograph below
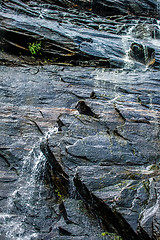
x,y
59,195
113,236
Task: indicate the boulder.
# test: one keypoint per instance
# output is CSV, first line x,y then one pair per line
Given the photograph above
x,y
142,54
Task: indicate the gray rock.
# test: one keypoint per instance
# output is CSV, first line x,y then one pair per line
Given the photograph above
x,y
99,175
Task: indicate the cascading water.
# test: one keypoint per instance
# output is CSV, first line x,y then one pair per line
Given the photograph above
x,y
144,36
27,211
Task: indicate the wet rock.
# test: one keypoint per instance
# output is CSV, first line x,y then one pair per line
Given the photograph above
x,y
92,95
144,31
122,189
64,41
110,146
81,225
149,217
104,151
54,173
84,109
111,154
8,183
111,220
116,7
143,8
142,54
59,43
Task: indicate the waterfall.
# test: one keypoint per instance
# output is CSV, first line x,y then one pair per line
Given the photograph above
x,y
27,208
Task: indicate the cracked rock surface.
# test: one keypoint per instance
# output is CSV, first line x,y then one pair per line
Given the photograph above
x,y
115,159
115,156
79,121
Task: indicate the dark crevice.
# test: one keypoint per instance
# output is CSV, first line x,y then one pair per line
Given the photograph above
x,y
140,101
79,157
41,113
10,166
64,232
60,124
39,129
6,160
119,113
111,219
142,233
116,133
140,121
63,212
54,174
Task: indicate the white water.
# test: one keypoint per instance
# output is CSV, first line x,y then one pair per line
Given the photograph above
x,y
27,203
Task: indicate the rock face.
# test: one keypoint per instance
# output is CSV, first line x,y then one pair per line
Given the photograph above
x,y
80,120
115,159
36,35
122,7
143,54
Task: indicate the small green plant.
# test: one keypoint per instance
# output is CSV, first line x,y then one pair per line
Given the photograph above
x,y
34,47
104,234
59,195
113,236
